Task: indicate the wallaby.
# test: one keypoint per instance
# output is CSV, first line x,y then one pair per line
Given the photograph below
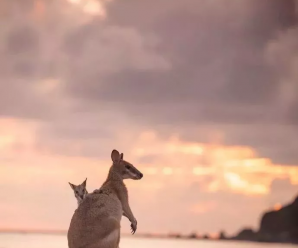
x,y
96,222
80,191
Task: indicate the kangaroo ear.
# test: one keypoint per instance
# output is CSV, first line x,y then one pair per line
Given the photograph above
x,y
115,156
84,183
121,156
72,186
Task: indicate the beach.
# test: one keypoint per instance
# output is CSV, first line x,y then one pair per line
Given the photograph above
x,y
60,241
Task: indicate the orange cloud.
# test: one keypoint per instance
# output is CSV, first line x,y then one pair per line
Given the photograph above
x,y
233,168
176,164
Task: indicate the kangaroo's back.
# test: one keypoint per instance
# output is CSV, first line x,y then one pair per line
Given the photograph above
x,y
94,220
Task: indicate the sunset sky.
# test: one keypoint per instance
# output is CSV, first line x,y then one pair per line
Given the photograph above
x,y
200,95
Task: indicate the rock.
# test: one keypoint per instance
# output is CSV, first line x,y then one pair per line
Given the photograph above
x,y
206,236
282,224
246,234
222,235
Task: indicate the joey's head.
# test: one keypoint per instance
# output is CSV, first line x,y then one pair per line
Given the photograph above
x,y
124,168
79,190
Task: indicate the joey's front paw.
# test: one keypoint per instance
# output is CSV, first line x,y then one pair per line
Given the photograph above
x,y
133,226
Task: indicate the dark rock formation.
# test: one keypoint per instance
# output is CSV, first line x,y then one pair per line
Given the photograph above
x,y
281,225
222,235
246,234
193,236
206,236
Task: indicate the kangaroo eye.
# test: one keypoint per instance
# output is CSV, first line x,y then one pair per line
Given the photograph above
x,y
127,167
77,192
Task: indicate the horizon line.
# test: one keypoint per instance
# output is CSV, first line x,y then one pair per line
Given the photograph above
x,y
63,232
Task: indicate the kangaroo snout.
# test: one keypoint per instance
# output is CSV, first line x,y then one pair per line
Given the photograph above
x,y
139,176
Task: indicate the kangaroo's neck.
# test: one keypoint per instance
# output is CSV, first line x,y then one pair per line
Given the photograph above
x,y
115,182
114,177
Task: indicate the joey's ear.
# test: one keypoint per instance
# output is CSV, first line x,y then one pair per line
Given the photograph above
x,y
72,185
115,156
121,156
84,183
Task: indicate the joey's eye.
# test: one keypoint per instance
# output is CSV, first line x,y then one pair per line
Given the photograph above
x,y
127,167
77,192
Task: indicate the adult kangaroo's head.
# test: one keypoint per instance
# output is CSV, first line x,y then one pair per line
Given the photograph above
x,y
125,169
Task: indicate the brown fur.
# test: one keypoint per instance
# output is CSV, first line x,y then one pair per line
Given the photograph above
x,y
96,222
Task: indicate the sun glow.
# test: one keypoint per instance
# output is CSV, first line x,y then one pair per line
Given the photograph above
x,y
167,171
14,134
167,164
235,182
233,168
92,7
277,206
39,8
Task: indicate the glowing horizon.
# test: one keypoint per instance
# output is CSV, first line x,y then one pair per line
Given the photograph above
x,y
233,170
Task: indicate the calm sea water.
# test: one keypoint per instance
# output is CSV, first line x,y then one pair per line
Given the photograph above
x,y
56,241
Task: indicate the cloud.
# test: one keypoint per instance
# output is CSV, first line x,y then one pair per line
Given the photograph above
x,y
282,191
182,180
55,44
194,68
49,49
220,75
217,65
282,55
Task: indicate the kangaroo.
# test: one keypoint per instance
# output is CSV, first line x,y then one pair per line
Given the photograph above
x,y
80,191
96,222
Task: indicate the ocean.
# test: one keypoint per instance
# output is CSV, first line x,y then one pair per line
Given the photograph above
x,y
60,241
